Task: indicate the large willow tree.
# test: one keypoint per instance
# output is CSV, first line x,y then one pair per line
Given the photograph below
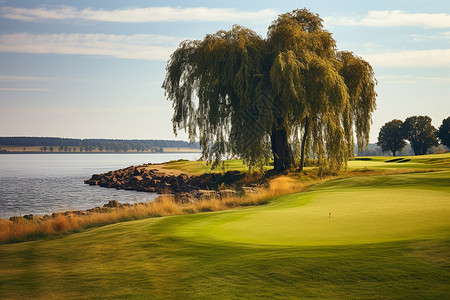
x,y
241,94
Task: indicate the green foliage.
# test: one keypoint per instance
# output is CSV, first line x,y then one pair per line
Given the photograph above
x,y
391,137
245,95
420,133
444,132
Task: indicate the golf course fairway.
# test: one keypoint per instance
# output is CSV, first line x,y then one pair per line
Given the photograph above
x,y
388,237
358,217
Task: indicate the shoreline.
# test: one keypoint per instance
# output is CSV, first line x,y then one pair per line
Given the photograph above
x,y
39,152
181,186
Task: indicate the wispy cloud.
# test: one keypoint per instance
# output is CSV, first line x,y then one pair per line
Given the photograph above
x,y
437,58
140,46
391,18
158,47
440,36
138,15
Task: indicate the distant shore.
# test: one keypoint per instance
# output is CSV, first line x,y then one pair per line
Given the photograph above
x,y
8,150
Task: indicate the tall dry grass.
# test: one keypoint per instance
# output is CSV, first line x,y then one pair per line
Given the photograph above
x,y
23,229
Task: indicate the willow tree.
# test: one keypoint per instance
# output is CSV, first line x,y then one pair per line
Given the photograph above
x,y
241,94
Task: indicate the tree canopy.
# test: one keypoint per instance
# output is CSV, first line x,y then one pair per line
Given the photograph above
x,y
391,137
444,132
245,95
420,133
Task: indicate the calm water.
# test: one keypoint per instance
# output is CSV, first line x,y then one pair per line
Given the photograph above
x,y
45,183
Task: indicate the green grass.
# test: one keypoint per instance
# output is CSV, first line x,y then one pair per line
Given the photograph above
x,y
199,167
388,238
357,218
432,161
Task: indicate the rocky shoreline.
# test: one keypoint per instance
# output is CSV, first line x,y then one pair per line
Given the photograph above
x,y
183,188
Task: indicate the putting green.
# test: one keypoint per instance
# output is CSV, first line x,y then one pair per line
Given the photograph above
x,y
357,217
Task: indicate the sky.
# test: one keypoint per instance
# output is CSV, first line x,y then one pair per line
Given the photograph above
x,y
94,69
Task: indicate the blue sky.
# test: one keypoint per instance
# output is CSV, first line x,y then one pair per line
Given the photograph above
x,y
94,69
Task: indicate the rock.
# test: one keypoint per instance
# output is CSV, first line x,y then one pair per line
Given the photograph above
x,y
99,209
232,177
137,178
113,203
227,193
76,212
16,219
250,190
91,182
206,194
185,198
29,217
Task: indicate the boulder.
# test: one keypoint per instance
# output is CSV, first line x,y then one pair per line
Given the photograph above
x,y
232,177
29,217
227,193
16,219
136,178
206,194
113,203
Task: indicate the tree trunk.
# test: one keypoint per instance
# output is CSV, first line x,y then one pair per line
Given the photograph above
x,y
305,136
283,158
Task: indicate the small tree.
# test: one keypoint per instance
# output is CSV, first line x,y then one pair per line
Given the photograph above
x,y
444,132
391,137
420,133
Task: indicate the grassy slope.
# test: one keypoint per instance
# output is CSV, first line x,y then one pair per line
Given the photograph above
x,y
388,238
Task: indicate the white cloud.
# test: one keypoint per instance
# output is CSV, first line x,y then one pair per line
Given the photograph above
x,y
137,15
438,58
156,47
391,18
140,46
440,36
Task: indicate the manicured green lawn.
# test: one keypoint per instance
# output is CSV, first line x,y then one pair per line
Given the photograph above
x,y
388,238
431,161
358,217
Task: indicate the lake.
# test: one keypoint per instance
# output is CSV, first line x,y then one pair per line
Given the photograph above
x,y
45,183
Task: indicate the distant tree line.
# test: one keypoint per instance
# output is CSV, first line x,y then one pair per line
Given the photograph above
x,y
54,144
418,131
